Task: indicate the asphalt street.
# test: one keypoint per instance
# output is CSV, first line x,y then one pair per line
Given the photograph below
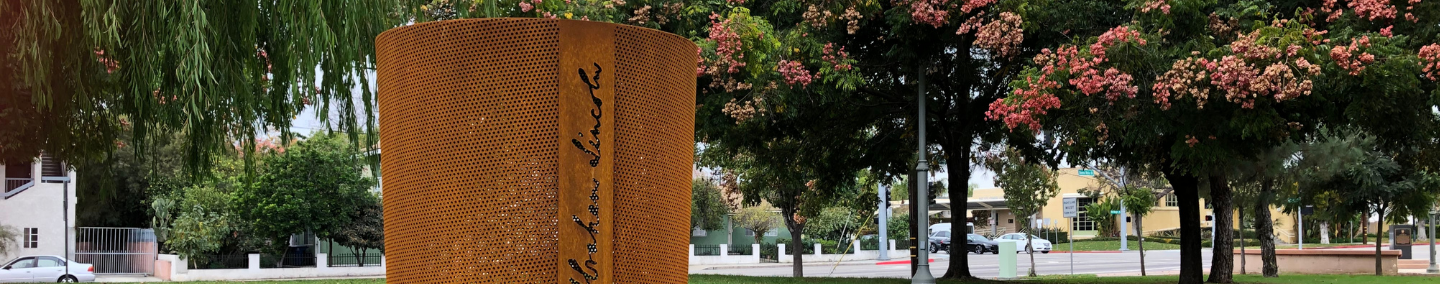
x,y
987,266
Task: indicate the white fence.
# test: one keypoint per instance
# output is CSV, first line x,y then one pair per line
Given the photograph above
x,y
179,272
754,256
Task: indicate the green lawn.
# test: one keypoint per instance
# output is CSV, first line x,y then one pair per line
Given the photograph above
x,y
1112,245
720,279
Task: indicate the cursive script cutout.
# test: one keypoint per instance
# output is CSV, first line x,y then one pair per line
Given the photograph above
x,y
593,228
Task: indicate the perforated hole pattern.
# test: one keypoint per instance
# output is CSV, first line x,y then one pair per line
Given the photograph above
x,y
468,113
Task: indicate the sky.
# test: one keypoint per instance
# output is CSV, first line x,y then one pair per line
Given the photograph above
x,y
307,122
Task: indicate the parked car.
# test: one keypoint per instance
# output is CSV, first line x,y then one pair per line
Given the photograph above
x,y
969,227
940,241
979,244
45,268
1041,245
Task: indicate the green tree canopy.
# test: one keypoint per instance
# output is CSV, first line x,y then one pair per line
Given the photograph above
x,y
308,188
707,207
1188,87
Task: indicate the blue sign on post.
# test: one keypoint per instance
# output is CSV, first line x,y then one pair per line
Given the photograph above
x,y
1087,173
1114,212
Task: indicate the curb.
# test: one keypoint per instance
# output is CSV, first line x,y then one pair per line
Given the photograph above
x,y
898,262
787,265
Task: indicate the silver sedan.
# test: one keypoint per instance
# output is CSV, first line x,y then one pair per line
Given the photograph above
x,y
45,268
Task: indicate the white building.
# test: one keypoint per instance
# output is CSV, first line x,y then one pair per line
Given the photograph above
x,y
33,203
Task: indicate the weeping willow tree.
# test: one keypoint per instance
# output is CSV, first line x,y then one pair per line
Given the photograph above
x,y
81,72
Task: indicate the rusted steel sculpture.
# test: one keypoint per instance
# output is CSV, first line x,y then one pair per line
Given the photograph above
x,y
536,151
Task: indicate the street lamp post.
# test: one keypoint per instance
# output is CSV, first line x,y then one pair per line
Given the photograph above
x,y
1433,268
922,170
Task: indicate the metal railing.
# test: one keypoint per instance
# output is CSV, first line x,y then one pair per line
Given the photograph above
x,y
739,250
14,184
354,260
287,261
707,250
117,250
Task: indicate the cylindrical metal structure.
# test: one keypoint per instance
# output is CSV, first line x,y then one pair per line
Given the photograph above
x,y
536,151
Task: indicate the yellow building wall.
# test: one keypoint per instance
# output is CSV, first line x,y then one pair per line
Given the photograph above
x,y
1161,217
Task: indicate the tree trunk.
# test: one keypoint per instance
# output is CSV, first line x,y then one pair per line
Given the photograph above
x,y
1325,232
1222,259
1265,230
1379,231
1365,228
1030,250
796,249
360,259
1140,232
1187,194
959,159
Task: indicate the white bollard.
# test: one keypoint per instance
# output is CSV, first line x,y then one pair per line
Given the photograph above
x,y
892,245
855,248
322,260
254,261
724,251
755,253
780,252
692,250
817,249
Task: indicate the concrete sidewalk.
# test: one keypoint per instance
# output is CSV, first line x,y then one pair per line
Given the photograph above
x,y
808,264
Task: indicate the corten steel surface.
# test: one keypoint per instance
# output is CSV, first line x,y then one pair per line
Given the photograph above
x,y
501,134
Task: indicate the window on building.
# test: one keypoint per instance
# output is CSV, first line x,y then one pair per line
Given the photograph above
x,y
1083,222
1171,200
32,238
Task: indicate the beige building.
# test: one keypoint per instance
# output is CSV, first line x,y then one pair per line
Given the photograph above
x,y
1164,216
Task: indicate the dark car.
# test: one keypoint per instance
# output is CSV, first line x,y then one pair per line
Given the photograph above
x,y
979,244
940,241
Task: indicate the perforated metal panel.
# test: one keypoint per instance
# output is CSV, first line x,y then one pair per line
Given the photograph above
x,y
482,178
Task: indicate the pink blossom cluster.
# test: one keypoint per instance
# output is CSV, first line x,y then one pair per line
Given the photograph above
x,y
971,5
794,73
1233,75
835,57
1113,82
1003,35
932,12
1115,36
1430,61
728,47
1281,83
1035,99
1328,7
971,24
1250,48
1373,9
110,64
1346,56
740,112
1316,37
1184,78
736,2
1152,5
525,6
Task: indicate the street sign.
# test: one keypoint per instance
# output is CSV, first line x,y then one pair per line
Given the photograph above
x,y
1072,207
1087,173
1307,210
1114,212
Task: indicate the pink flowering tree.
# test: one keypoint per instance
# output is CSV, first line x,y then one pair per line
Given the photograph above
x,y
1189,88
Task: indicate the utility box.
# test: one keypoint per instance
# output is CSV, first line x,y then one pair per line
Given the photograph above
x,y
1007,259
1402,237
